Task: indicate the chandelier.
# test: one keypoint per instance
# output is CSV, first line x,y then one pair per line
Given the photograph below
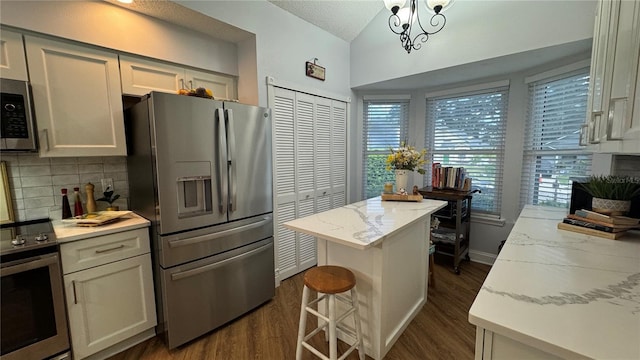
x,y
404,20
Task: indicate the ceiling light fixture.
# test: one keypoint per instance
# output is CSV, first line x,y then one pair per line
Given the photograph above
x,y
403,20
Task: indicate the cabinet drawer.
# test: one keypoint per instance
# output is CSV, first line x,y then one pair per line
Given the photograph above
x,y
84,254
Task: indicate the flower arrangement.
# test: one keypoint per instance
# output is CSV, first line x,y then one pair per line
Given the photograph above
x,y
406,158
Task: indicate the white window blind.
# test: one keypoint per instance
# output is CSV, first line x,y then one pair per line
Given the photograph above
x,y
386,124
469,131
552,154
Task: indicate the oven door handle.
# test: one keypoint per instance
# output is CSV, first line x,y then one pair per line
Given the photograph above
x,y
35,262
200,270
217,235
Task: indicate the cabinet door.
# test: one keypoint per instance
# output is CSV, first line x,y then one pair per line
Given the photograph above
x,y
625,65
77,99
110,303
601,70
13,64
140,77
222,86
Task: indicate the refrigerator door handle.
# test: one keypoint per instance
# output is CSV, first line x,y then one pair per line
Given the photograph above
x,y
223,186
232,166
219,234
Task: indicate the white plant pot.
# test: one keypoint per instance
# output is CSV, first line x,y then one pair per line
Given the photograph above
x,y
610,207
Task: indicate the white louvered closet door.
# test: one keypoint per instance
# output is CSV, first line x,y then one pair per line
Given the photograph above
x,y
305,117
310,170
283,114
323,154
338,153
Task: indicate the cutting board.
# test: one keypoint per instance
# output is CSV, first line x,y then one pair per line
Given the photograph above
x,y
97,218
398,197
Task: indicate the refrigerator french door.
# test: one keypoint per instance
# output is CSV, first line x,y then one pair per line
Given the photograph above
x,y
201,171
212,161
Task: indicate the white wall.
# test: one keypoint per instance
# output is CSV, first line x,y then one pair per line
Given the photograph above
x,y
475,31
284,43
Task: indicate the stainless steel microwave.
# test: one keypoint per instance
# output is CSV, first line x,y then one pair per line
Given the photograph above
x,y
18,132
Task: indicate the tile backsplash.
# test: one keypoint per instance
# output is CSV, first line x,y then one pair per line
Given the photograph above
x,y
36,182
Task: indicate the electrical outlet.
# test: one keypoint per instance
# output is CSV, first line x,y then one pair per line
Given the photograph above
x,y
107,183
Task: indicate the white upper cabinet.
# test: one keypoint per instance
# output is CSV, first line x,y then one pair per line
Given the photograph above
x,y
613,123
77,99
222,86
141,76
13,64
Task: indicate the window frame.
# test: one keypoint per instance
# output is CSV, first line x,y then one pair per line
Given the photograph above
x,y
479,89
403,129
532,158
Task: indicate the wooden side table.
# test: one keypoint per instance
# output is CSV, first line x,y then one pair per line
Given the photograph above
x,y
455,219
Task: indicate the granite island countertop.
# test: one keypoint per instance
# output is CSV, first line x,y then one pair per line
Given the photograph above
x,y
366,223
572,295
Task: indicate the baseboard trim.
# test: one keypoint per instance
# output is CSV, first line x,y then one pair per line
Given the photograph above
x,y
482,257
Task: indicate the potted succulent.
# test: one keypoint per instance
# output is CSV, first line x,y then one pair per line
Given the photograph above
x,y
109,197
612,194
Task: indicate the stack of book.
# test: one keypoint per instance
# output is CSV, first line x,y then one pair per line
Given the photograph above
x,y
596,224
449,177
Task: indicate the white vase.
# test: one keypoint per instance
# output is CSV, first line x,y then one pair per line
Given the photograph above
x,y
401,180
610,207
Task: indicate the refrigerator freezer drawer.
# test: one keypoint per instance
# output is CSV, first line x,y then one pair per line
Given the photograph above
x,y
201,296
197,244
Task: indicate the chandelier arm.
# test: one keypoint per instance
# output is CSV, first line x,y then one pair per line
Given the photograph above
x,y
424,35
394,23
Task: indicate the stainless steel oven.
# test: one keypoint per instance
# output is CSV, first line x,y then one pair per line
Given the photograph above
x,y
32,308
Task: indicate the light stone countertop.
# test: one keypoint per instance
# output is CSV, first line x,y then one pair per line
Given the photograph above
x,y
366,223
71,232
573,295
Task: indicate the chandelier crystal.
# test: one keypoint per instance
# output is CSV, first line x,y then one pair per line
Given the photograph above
x,y
404,20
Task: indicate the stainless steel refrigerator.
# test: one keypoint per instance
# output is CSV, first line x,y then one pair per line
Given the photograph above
x,y
200,170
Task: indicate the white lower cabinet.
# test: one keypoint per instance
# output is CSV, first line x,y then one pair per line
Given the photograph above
x,y
492,346
111,303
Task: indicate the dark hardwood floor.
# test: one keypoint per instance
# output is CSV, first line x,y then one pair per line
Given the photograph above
x,y
440,331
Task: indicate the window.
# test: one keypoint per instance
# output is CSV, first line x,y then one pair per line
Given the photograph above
x,y
468,130
386,124
552,154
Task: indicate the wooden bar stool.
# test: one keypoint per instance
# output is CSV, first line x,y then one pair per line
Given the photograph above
x,y
329,281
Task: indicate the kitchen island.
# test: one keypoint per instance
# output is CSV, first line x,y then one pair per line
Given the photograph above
x,y
385,244
558,294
